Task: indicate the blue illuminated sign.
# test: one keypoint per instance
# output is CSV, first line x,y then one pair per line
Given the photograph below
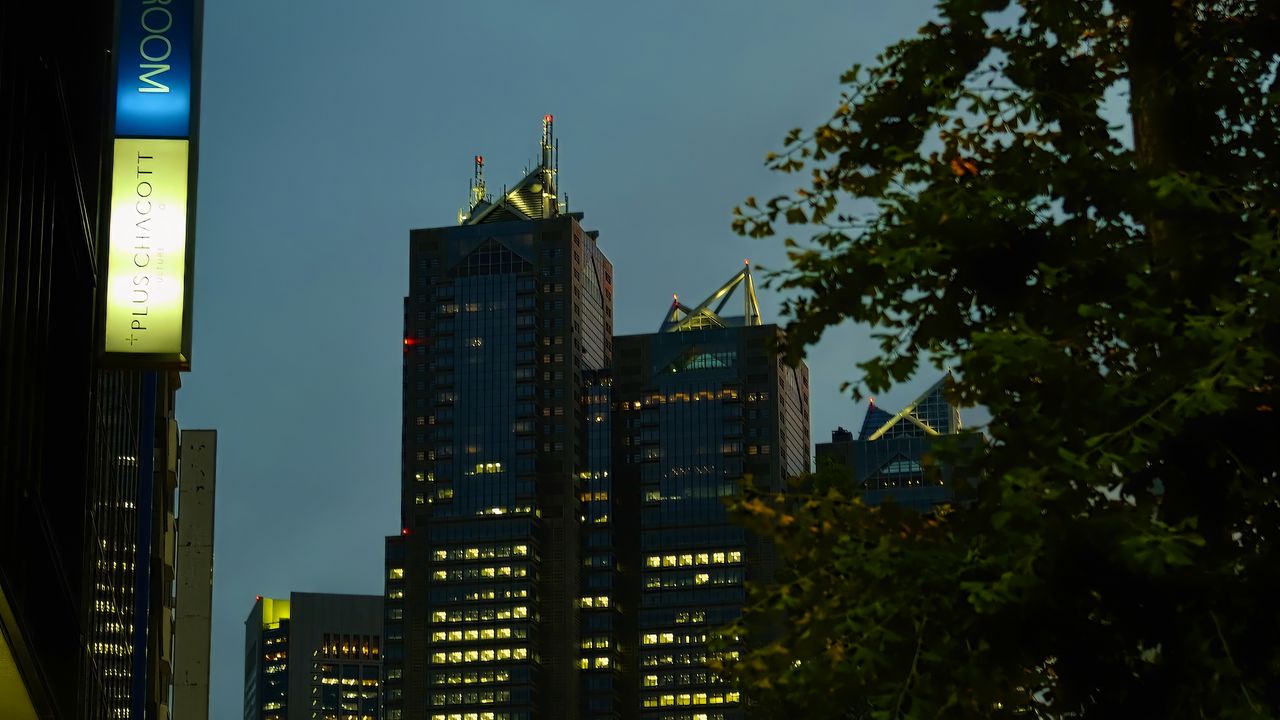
x,y
155,44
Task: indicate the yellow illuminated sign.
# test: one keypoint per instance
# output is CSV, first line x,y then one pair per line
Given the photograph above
x,y
146,271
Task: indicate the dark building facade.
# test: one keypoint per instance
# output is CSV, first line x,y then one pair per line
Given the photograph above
x,y
314,656
82,447
507,316
886,459
700,404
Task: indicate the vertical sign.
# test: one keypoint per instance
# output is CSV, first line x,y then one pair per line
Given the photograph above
x,y
147,315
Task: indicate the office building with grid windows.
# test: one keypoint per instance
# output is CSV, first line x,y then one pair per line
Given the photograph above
x,y
699,405
314,656
508,316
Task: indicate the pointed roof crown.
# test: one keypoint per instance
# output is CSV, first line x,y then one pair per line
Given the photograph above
x,y
928,415
533,198
682,317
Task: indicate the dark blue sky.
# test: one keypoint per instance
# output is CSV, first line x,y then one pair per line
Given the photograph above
x,y
329,129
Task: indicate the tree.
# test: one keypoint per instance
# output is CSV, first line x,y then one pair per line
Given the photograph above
x,y
1075,203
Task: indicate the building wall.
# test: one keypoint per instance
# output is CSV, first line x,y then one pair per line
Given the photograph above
x,y
70,428
315,656
501,322
697,411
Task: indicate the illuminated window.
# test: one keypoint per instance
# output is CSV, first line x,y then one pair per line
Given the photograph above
x,y
601,662
651,681
396,573
735,556
438,616
650,639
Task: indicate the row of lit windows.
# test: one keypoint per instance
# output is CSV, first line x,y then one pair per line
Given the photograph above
x,y
102,648
489,633
690,559
479,655
472,716
683,396
480,573
517,510
599,641
349,646
699,678
331,680
471,698
597,663
275,655
667,581
686,658
479,614
471,678
497,595
599,601
597,496
667,638
484,551
679,699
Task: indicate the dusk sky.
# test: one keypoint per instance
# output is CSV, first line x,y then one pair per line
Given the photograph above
x,y
329,129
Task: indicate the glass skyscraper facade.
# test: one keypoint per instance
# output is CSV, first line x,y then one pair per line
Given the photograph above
x,y
885,461
508,317
700,405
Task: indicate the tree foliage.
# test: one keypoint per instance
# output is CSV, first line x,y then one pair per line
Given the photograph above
x,y
1073,202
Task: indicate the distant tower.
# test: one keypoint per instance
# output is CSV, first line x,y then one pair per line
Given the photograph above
x,y
886,459
701,403
508,318
313,655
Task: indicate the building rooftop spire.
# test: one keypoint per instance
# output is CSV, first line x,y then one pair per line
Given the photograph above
x,y
682,317
533,198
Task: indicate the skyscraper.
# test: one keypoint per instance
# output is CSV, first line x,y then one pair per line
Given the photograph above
x,y
507,315
313,656
885,461
701,403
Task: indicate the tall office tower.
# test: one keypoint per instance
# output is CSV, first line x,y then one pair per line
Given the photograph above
x,y
701,403
506,315
87,456
885,460
313,656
